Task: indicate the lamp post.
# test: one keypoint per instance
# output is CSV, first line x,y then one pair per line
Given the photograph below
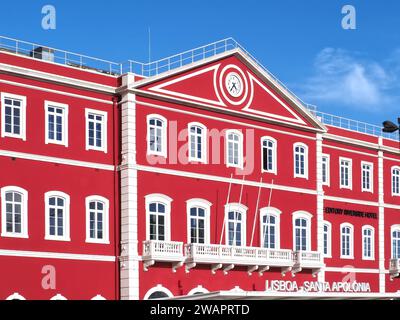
x,y
390,127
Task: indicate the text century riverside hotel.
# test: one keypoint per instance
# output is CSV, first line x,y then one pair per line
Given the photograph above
x,y
196,176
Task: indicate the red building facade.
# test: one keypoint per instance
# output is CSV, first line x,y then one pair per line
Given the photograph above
x,y
203,177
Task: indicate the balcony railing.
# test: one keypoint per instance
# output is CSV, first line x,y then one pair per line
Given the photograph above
x,y
394,268
227,257
162,251
307,260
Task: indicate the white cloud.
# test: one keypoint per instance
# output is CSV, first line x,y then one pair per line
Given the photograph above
x,y
349,80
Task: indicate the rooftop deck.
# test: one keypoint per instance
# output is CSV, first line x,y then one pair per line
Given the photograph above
x,y
41,52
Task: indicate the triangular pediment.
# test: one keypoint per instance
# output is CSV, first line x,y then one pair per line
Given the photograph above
x,y
235,84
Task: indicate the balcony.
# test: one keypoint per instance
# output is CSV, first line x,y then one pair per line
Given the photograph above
x,y
162,251
227,257
394,268
307,260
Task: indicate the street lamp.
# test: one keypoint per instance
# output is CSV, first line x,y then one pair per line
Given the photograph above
x,y
390,127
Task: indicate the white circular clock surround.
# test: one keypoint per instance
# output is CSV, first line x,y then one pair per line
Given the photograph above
x,y
234,84
238,95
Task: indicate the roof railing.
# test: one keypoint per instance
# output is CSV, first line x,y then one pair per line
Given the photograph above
x,y
46,53
353,125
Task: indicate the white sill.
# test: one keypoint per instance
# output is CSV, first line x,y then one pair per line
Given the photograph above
x,y
368,258
89,148
197,161
14,136
368,191
96,241
301,177
59,143
268,171
14,235
329,257
52,238
236,166
347,257
346,188
157,154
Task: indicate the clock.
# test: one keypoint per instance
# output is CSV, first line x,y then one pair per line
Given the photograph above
x,y
234,84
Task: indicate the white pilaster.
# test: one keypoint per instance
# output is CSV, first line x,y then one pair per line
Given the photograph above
x,y
129,262
320,204
381,221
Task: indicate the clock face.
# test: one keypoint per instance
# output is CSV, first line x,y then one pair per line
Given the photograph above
x,y
234,84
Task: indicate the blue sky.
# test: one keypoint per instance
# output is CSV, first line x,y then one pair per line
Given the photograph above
x,y
353,73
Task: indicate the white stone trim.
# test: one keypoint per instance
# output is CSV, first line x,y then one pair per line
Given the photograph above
x,y
24,213
206,205
47,140
274,154
56,255
22,134
15,296
106,219
277,214
204,143
302,215
351,241
160,288
66,216
305,147
104,131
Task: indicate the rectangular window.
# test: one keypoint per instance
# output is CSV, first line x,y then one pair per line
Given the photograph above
x,y
56,123
367,180
96,130
327,240
325,170
345,173
13,118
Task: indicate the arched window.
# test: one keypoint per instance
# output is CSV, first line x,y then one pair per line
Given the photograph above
x,y
346,241
158,292
57,216
270,228
198,216
327,233
158,210
197,142
156,135
395,234
235,228
97,219
59,297
15,296
234,148
14,209
368,243
197,290
396,181
300,160
302,231
269,154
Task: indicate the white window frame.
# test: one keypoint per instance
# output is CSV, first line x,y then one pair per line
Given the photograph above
x,y
15,296
327,168
366,227
204,145
243,211
329,239
240,149
299,175
276,213
351,240
104,123
206,205
164,137
166,201
160,288
22,134
274,155
66,226
394,194
302,215
350,167
24,213
106,217
371,176
395,227
64,141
